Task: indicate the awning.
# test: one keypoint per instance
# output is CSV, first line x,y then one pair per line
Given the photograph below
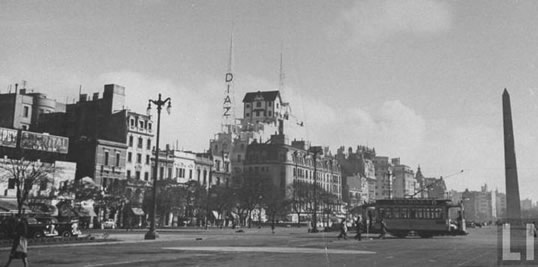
x,y
86,212
138,211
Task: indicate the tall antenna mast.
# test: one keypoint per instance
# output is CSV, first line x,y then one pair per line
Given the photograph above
x,y
282,76
228,115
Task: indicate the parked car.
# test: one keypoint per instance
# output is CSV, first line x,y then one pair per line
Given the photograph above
x,y
68,228
42,227
109,223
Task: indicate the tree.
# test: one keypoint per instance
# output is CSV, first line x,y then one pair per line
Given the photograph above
x,y
249,195
223,200
168,198
299,193
275,203
25,176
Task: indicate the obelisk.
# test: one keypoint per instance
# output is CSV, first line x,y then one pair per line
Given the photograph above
x,y
513,208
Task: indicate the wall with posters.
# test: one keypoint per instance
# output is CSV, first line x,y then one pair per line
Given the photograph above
x,y
8,137
44,142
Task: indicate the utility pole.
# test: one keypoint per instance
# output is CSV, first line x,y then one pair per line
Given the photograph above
x,y
315,150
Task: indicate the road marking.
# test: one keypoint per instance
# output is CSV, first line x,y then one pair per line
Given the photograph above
x,y
273,250
139,261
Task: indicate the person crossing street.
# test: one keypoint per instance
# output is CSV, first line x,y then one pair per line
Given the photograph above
x,y
343,230
358,227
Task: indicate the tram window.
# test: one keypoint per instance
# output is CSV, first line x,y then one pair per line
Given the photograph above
x,y
396,212
427,213
437,213
420,212
413,213
388,213
379,212
404,213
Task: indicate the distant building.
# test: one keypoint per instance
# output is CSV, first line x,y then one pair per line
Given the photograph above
x,y
404,180
140,134
358,171
500,204
526,204
99,159
264,107
384,178
283,164
98,130
221,149
21,109
203,165
480,205
429,187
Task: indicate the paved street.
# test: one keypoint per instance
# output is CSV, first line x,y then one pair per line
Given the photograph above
x,y
258,247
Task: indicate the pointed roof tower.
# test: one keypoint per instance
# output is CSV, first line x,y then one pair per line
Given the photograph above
x,y
228,115
281,76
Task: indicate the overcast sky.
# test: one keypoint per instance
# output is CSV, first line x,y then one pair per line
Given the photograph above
x,y
420,80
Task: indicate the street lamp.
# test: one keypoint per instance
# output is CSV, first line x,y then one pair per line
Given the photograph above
x,y
390,184
315,150
152,233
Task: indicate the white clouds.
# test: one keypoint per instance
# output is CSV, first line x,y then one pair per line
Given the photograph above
x,y
376,20
392,128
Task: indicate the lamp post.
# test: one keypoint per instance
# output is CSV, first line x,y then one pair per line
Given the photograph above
x,y
152,233
390,184
315,150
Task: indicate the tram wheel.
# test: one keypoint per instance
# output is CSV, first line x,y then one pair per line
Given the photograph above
x,y
400,234
425,235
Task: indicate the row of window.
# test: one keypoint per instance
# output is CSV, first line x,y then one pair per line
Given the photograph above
x,y
26,111
308,174
141,124
140,143
138,158
411,213
107,158
137,175
259,104
258,112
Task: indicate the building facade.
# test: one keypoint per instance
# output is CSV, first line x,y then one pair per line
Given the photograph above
x,y
357,168
429,187
22,109
283,165
404,180
384,178
140,136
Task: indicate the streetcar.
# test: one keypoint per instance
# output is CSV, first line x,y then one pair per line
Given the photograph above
x,y
423,217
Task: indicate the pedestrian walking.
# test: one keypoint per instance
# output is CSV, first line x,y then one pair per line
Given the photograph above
x,y
358,226
19,249
343,230
383,229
